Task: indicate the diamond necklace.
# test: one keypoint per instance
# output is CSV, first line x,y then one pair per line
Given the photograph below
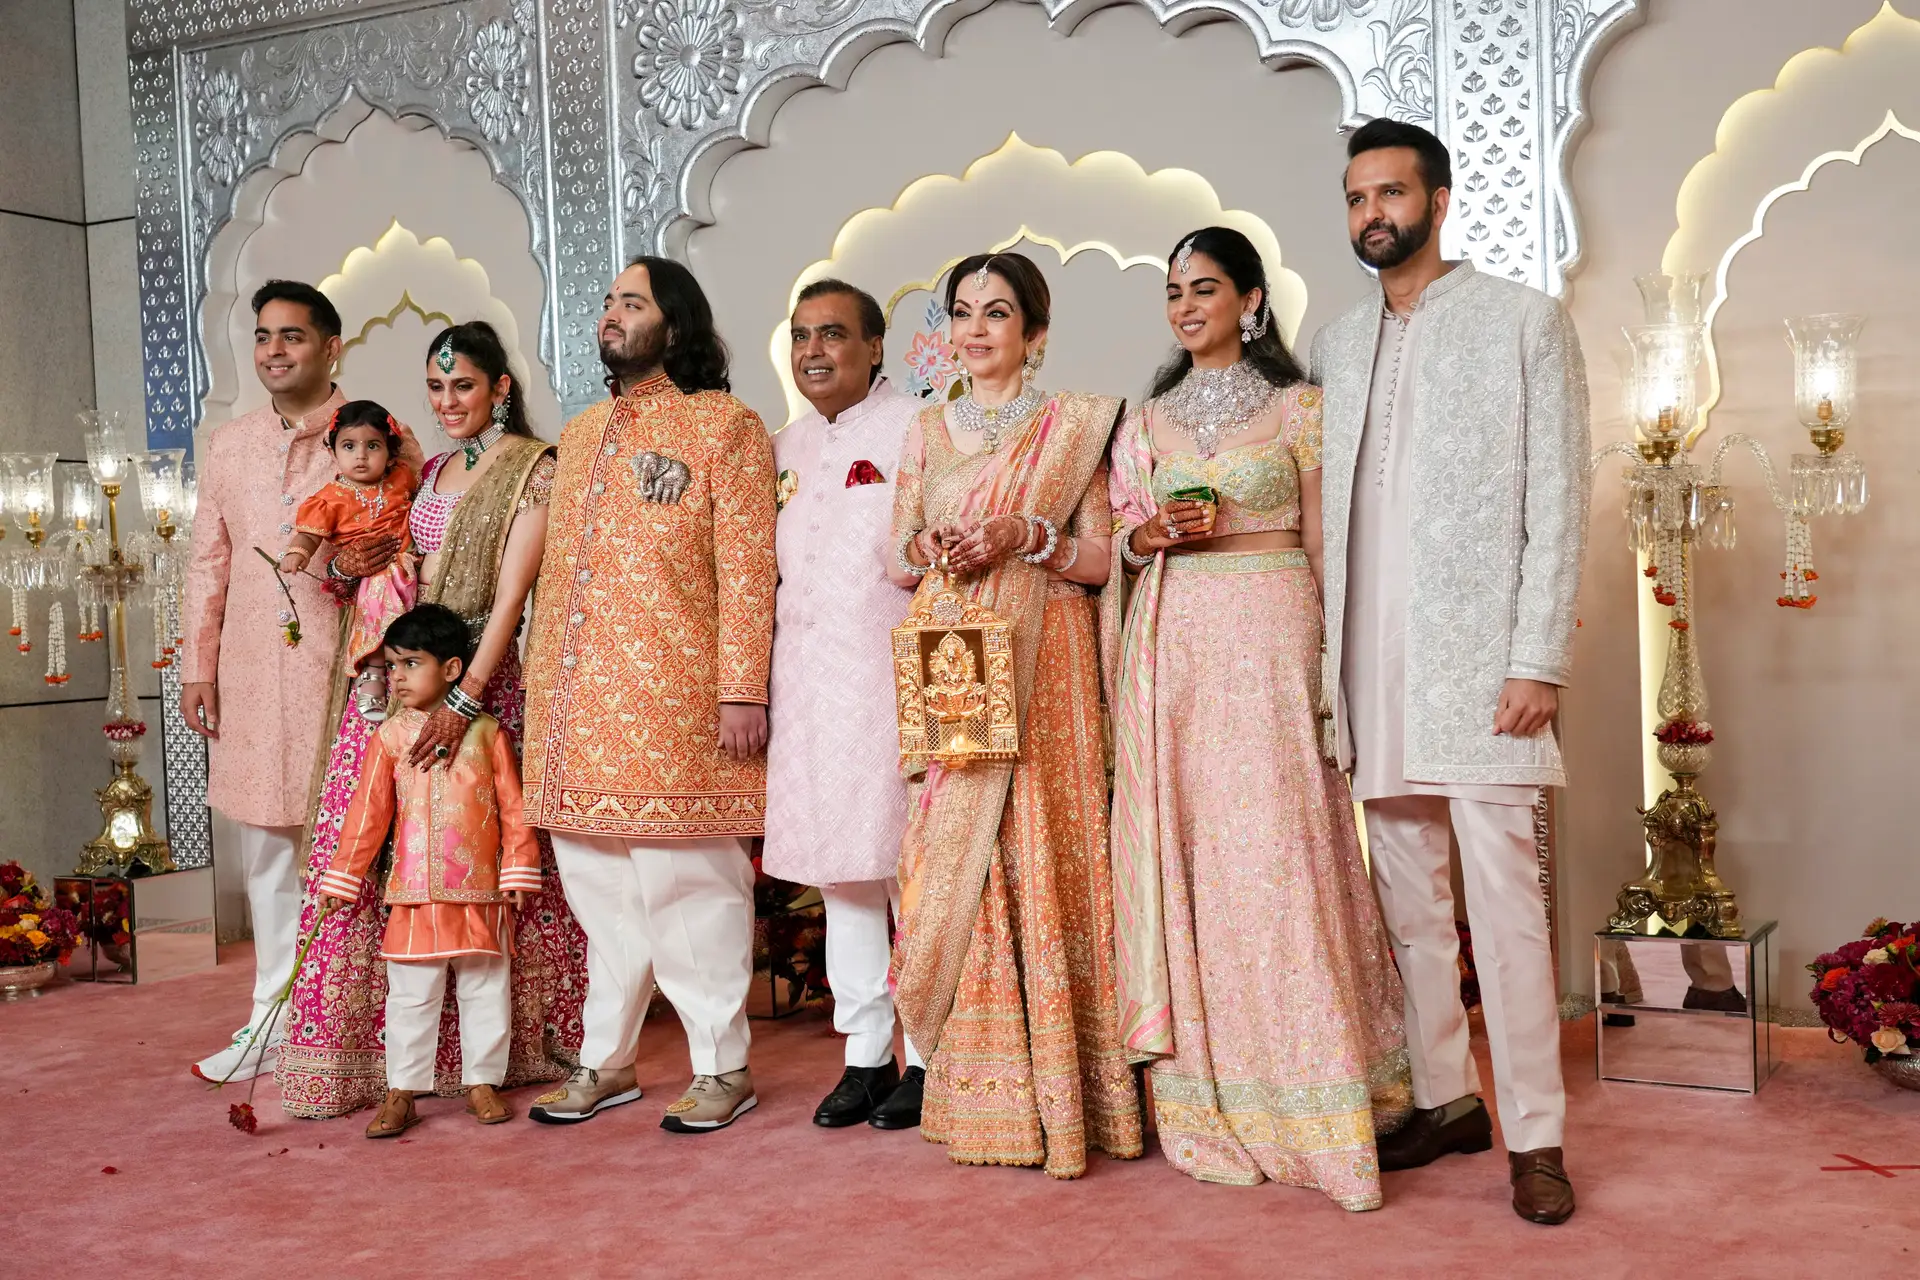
x,y
987,420
477,445
1210,403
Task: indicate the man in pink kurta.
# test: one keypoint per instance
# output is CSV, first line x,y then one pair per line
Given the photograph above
x,y
836,806
258,701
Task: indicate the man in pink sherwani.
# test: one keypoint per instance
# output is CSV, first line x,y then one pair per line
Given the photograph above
x,y
836,805
260,753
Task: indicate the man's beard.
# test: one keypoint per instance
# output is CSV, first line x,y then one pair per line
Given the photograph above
x,y
1406,242
642,355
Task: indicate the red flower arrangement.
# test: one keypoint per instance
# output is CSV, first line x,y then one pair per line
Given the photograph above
x,y
1788,602
32,929
1868,991
1684,733
124,730
1663,596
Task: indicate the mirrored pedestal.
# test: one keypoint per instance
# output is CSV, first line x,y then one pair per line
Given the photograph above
x,y
1690,1012
142,929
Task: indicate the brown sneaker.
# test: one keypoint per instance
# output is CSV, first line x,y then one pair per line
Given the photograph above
x,y
1423,1139
711,1102
1541,1190
485,1105
395,1116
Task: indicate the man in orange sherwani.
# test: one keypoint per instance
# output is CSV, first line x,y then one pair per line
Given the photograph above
x,y
646,696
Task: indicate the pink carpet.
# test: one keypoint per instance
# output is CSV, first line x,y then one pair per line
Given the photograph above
x,y
1671,1182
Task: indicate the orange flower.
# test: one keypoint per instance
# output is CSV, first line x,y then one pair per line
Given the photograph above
x,y
1832,978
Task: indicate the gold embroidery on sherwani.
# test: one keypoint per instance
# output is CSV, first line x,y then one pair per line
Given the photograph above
x,y
649,616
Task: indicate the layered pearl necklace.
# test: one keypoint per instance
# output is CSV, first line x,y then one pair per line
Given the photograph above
x,y
988,421
1210,403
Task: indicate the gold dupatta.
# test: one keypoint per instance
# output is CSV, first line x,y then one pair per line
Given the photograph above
x,y
953,826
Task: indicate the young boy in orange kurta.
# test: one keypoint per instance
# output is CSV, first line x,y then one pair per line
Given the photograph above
x,y
463,861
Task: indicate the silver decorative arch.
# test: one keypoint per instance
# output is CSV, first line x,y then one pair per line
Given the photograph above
x,y
609,118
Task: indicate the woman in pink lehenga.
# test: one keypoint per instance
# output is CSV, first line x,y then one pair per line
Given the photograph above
x,y
1254,971
479,526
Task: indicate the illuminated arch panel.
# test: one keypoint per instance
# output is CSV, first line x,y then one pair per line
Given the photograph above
x,y
1104,202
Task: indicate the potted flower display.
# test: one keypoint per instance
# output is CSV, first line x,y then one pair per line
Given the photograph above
x,y
35,935
1869,992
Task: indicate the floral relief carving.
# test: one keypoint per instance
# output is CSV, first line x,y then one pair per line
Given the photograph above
x,y
1403,64
224,129
1326,14
497,83
690,59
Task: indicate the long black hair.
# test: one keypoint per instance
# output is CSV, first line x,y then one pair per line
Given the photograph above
x,y
480,344
696,355
1268,353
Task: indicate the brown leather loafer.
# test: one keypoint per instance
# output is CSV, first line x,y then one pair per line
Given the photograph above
x,y
395,1116
1541,1190
1423,1139
484,1105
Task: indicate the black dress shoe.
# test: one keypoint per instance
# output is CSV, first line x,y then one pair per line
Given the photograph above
x,y
1423,1139
860,1090
1728,1001
901,1110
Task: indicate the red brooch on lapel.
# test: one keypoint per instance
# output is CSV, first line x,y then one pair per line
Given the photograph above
x,y
864,472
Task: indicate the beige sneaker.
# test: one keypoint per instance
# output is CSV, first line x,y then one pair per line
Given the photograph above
x,y
711,1102
586,1093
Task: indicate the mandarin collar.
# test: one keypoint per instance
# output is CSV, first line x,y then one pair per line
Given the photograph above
x,y
881,390
658,385
1458,274
315,420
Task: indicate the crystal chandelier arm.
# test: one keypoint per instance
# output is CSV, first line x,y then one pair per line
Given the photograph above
x,y
1759,452
1623,448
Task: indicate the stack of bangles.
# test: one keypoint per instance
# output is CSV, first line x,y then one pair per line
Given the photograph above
x,y
462,703
1036,525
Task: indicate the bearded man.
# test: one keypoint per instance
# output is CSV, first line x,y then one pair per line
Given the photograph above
x,y
1455,507
646,696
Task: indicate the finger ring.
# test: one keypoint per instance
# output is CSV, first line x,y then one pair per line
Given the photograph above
x,y
441,751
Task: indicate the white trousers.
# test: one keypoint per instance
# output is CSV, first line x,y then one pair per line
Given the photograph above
x,y
416,990
1407,838
679,912
269,859
858,950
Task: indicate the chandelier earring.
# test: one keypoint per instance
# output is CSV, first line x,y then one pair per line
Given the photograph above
x,y
1030,367
1253,324
500,410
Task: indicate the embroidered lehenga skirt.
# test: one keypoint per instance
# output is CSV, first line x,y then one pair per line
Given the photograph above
x,y
1031,1069
1290,1052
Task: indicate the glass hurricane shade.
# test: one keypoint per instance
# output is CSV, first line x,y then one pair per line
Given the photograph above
x,y
106,446
189,493
1825,367
1663,385
159,473
79,495
30,489
1672,299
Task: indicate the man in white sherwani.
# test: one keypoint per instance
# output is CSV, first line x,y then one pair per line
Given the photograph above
x,y
836,805
1455,447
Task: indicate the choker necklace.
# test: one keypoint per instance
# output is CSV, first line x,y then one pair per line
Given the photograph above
x,y
479,444
988,420
1210,403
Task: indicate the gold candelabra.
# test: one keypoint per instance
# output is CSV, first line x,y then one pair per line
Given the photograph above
x,y
1672,506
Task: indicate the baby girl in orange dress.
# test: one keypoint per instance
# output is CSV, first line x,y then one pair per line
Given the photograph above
x,y
368,499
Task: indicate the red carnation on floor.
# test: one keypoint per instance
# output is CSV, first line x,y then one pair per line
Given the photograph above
x,y
240,1116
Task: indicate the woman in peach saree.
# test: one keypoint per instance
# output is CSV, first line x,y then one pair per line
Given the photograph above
x,y
1004,960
